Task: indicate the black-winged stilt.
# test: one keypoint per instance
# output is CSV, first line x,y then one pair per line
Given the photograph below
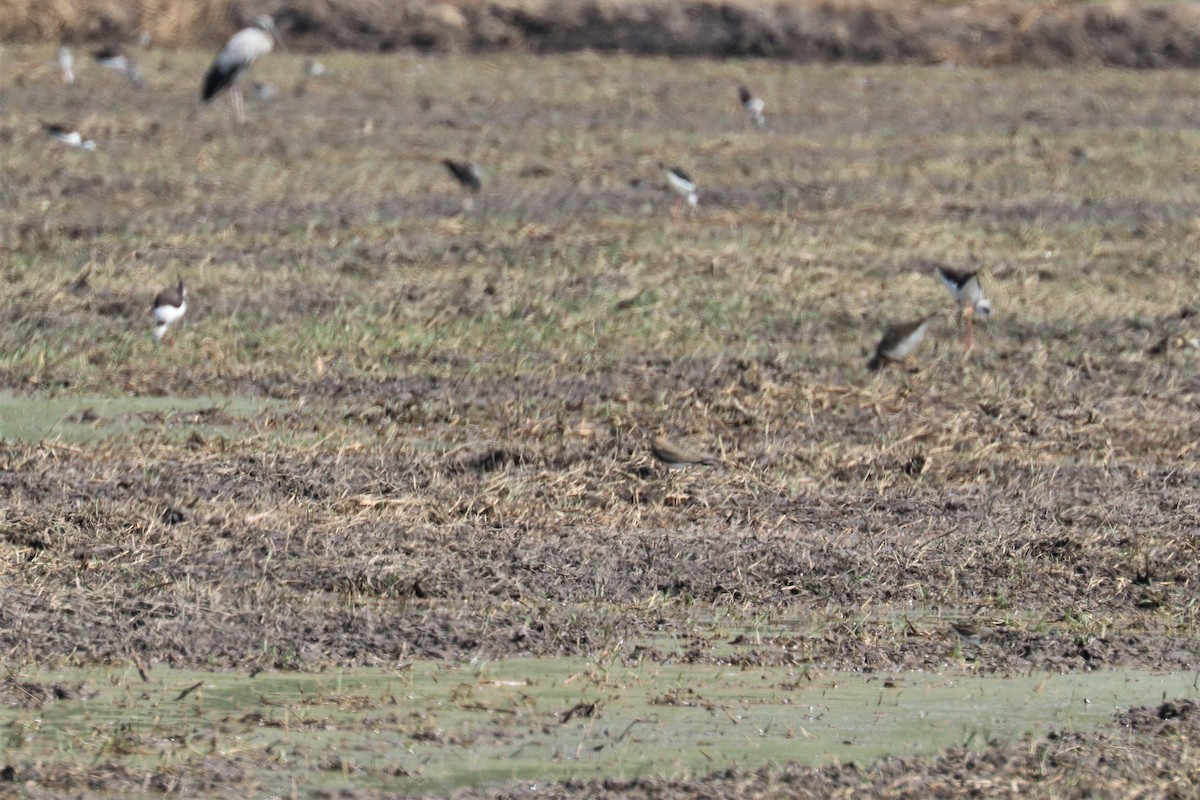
x,y
66,64
468,173
68,136
968,296
682,185
112,58
752,104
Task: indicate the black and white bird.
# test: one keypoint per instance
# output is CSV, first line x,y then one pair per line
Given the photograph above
x,y
752,104
467,173
66,64
169,306
898,343
68,136
236,57
682,185
967,292
114,59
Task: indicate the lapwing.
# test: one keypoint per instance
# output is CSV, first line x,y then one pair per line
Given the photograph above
x,y
675,457
967,292
169,306
239,54
68,136
112,58
682,185
898,343
752,104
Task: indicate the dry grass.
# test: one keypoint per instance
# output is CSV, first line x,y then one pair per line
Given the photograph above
x,y
918,31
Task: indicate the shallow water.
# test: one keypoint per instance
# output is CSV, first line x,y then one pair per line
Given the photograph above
x,y
75,420
432,727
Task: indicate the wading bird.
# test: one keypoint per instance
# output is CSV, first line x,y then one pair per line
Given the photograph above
x,y
66,64
468,173
968,296
752,104
682,185
68,136
169,305
114,59
239,54
898,343
674,456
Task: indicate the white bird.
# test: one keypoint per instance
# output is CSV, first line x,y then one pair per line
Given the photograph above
x,y
682,185
313,68
753,105
114,59
239,54
65,62
68,136
169,306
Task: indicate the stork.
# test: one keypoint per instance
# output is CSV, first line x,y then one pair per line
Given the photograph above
x,y
752,104
968,296
683,187
169,306
239,54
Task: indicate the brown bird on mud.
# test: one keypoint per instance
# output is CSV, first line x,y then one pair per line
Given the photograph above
x,y
968,295
898,343
674,456
468,173
970,635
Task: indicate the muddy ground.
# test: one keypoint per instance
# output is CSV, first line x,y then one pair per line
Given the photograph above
x,y
455,463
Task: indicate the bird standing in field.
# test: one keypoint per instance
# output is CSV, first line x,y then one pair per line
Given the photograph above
x,y
682,185
968,296
467,173
112,58
239,54
68,136
66,63
898,343
753,105
674,456
169,306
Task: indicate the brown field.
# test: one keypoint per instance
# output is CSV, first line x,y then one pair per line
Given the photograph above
x,y
449,453
987,32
